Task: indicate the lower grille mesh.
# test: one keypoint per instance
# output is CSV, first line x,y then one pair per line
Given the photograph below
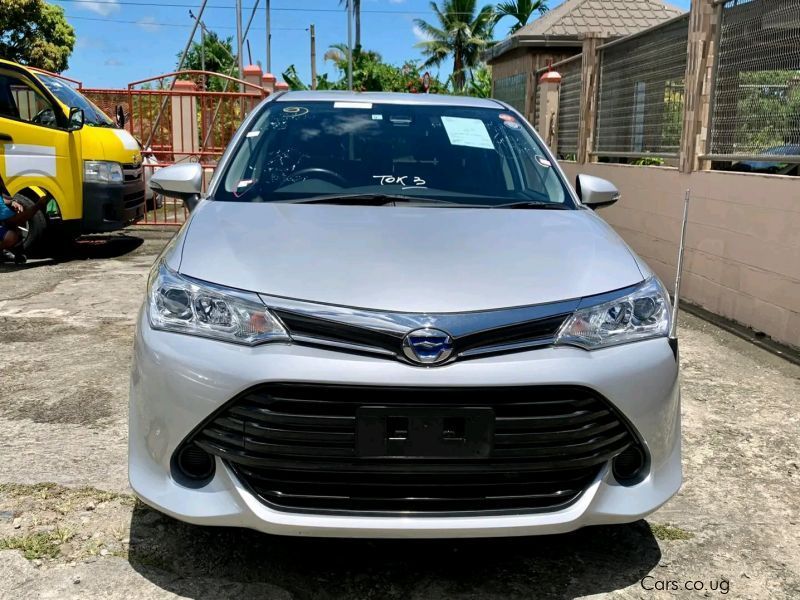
x,y
295,447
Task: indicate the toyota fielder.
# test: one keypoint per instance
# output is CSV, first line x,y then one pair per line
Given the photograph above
x,y
391,316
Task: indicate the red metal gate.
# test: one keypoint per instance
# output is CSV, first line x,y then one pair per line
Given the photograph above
x,y
190,120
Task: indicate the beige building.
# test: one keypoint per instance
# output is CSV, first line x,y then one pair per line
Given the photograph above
x,y
559,34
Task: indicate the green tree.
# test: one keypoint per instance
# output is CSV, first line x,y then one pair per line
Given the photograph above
x,y
356,18
219,58
481,84
35,33
370,74
521,10
462,32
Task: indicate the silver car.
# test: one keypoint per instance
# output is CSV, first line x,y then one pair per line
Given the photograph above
x,y
391,316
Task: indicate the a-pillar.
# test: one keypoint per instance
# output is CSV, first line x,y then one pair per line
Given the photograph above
x,y
185,138
549,86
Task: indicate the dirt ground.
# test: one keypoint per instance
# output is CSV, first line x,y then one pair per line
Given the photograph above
x,y
69,527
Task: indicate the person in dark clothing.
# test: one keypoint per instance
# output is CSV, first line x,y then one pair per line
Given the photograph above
x,y
12,216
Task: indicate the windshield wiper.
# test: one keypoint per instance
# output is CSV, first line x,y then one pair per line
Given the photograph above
x,y
533,205
367,200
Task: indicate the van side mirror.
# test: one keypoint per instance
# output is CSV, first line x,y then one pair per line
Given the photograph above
x,y
119,112
183,181
76,119
595,192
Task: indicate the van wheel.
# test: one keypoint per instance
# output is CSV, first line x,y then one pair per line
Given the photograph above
x,y
33,232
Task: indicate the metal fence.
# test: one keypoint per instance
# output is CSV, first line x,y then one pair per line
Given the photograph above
x,y
181,124
641,92
569,106
756,108
512,90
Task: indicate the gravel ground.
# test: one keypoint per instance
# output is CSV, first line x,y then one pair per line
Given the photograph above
x,y
69,527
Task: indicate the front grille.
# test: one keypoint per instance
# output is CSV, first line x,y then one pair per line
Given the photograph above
x,y
132,172
496,339
295,447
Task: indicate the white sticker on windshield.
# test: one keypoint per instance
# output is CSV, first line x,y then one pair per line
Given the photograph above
x,y
377,117
367,105
255,133
467,132
543,161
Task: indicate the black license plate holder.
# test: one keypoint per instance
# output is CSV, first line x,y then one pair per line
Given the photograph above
x,y
424,432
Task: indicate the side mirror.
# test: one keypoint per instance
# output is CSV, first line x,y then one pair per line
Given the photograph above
x,y
76,119
119,112
181,181
595,192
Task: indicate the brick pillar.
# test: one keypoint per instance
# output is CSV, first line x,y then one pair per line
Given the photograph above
x,y
549,85
252,74
268,82
704,24
185,138
590,80
281,86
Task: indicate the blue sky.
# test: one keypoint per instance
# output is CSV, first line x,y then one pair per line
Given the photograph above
x,y
120,41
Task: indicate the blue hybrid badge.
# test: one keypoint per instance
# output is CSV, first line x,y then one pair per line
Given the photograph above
x,y
427,346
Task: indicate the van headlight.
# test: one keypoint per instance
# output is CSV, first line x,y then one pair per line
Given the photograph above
x,y
177,303
102,171
642,314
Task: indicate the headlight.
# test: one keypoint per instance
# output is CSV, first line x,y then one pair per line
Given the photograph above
x,y
643,314
176,303
102,171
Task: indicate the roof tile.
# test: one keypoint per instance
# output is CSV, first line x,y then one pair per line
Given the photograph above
x,y
615,17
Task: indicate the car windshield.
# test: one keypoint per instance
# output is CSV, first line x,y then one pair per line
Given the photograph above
x,y
436,154
92,115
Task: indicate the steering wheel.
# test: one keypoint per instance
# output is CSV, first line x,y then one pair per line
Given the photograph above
x,y
46,116
318,171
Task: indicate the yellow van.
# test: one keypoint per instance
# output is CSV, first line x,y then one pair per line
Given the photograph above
x,y
54,142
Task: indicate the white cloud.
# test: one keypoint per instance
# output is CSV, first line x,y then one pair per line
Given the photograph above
x,y
396,1
101,7
148,24
419,34
113,62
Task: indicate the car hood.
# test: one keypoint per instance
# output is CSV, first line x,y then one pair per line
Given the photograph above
x,y
406,259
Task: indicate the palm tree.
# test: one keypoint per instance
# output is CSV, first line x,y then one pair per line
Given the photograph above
x,y
521,10
356,17
461,33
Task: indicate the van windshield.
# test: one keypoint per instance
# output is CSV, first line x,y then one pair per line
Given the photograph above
x,y
468,156
72,99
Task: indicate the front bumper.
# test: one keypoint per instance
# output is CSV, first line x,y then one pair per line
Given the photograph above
x,y
178,380
112,206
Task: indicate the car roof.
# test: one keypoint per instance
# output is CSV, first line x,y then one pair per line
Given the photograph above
x,y
388,98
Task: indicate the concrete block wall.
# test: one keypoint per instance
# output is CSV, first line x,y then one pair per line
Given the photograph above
x,y
743,238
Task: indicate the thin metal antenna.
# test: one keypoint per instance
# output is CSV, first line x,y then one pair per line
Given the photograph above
x,y
673,333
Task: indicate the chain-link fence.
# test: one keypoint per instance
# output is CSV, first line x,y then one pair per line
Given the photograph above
x,y
756,108
569,106
512,90
641,93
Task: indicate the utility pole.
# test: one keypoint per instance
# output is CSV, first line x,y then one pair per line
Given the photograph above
x,y
239,56
269,42
350,45
313,58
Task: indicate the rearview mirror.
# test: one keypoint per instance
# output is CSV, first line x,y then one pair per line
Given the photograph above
x,y
595,192
119,112
76,118
181,181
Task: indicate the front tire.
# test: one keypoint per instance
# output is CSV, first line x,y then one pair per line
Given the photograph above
x,y
33,232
